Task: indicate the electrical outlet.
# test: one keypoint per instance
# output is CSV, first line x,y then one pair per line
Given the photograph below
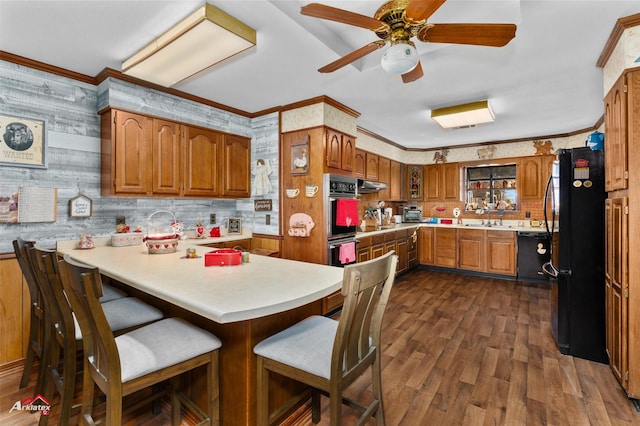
x,y
212,218
120,220
267,219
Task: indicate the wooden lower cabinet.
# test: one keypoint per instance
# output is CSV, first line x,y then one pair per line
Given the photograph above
x,y
425,244
617,287
478,250
471,249
244,245
445,241
403,242
501,252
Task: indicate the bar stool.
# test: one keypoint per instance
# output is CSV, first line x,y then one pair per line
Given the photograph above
x,y
139,359
36,316
123,314
329,355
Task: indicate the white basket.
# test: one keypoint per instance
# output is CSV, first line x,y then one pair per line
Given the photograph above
x,y
161,243
126,239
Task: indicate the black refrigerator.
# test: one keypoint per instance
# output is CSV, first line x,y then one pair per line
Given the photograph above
x,y
577,196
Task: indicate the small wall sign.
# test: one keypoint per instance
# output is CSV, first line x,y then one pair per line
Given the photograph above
x,y
80,206
262,205
235,225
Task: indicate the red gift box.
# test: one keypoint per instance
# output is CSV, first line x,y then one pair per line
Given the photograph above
x,y
223,257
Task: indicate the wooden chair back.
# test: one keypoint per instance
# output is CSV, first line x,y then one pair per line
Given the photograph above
x,y
83,287
366,288
37,312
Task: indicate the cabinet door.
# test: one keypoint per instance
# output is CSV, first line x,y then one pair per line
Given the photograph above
x,y
360,164
451,181
132,136
425,246
616,130
167,147
236,161
414,182
530,178
384,173
433,182
501,252
347,157
471,249
372,166
445,247
403,259
617,286
395,181
377,250
202,162
334,149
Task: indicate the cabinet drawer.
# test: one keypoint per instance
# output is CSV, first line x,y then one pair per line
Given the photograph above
x,y
331,302
377,239
390,236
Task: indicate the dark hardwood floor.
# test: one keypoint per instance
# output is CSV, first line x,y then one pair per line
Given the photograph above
x,y
459,350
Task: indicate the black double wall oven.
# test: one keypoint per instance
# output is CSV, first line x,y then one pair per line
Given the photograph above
x,y
341,235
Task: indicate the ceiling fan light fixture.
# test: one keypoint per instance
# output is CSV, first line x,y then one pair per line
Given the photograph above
x,y
400,58
204,38
464,115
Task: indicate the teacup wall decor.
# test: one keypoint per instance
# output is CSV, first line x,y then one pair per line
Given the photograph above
x,y
311,190
293,192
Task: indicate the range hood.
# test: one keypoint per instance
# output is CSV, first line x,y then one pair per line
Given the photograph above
x,y
369,187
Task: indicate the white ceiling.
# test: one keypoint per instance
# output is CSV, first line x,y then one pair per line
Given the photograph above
x,y
544,82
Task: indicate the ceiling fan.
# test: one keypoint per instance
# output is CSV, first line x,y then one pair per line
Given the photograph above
x,y
397,22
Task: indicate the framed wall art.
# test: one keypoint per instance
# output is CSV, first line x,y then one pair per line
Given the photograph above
x,y
235,225
80,206
300,157
23,142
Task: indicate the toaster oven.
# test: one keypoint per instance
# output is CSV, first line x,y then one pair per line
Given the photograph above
x,y
411,214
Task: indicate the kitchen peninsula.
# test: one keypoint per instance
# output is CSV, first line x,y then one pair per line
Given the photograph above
x,y
241,304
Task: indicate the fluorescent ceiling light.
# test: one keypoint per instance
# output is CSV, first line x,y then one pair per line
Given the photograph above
x,y
463,115
204,38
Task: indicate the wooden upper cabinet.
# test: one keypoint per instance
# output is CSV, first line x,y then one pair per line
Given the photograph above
x,y
530,178
371,169
236,159
148,156
433,182
340,152
167,148
616,130
360,164
348,154
202,161
384,175
395,181
451,181
131,171
442,181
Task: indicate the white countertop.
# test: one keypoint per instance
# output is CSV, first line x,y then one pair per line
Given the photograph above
x,y
224,294
466,224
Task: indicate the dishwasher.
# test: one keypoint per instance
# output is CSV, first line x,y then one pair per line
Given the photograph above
x,y
533,252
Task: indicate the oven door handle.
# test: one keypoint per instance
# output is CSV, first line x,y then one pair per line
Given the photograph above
x,y
338,244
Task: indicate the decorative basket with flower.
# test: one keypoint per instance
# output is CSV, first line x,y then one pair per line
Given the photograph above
x,y
370,217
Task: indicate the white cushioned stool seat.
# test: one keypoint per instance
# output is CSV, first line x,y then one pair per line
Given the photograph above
x,y
307,345
162,344
125,313
111,293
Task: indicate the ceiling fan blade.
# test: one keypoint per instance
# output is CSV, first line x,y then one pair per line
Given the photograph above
x,y
496,35
353,56
344,16
413,75
419,10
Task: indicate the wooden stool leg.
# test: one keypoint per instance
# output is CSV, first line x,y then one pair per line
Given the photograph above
x,y
315,406
262,413
376,378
